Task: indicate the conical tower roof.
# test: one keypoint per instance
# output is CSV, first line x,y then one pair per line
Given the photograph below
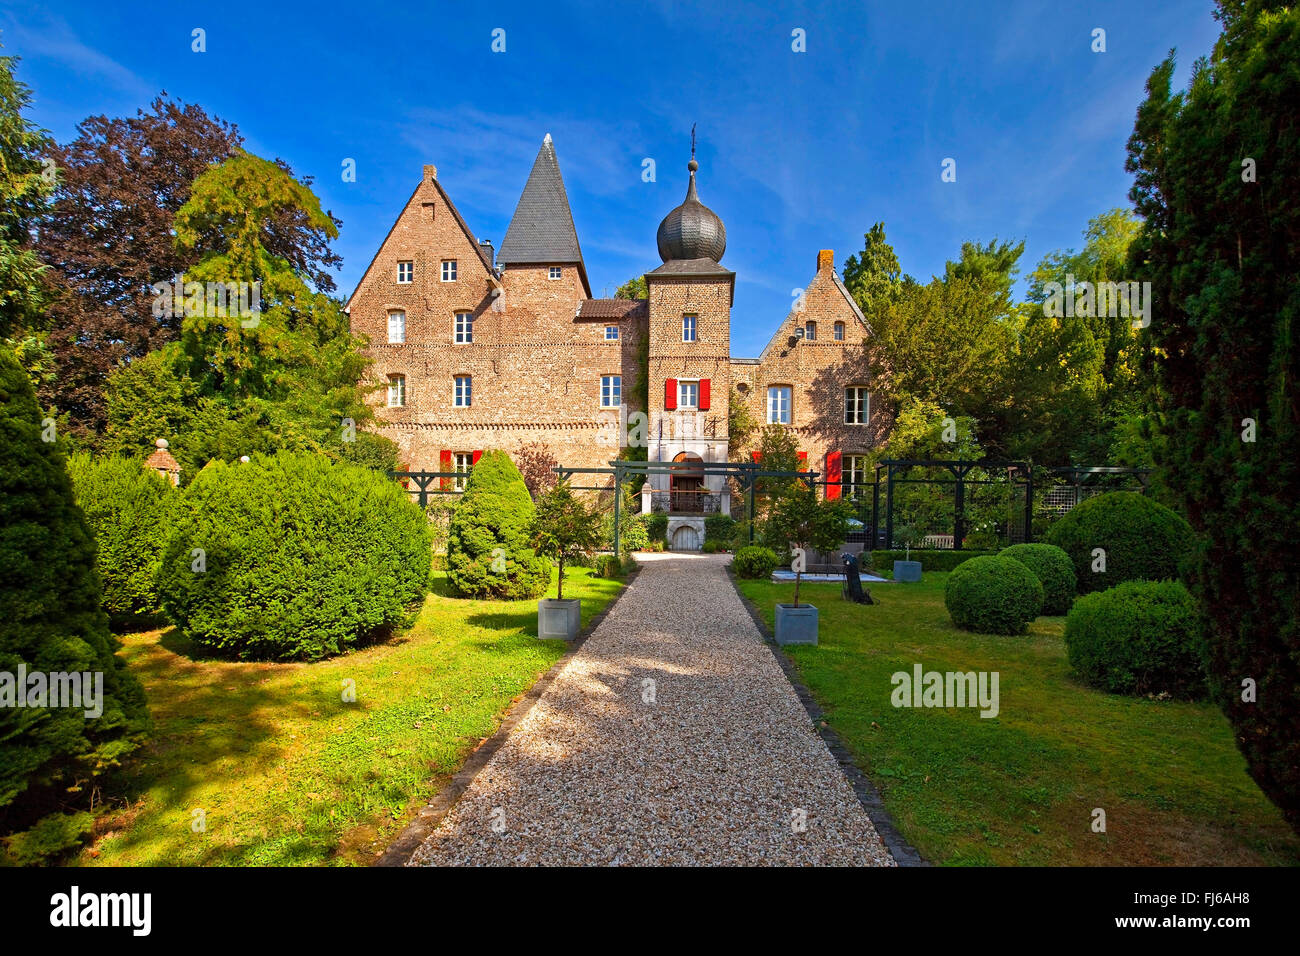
x,y
541,232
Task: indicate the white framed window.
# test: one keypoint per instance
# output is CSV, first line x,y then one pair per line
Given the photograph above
x,y
448,270
857,405
688,394
838,332
461,463
778,405
396,328
554,272
688,327
853,473
462,395
611,333
396,391
611,391
463,328
405,272
810,331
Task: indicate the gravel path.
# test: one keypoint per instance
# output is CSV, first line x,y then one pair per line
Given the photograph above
x,y
671,737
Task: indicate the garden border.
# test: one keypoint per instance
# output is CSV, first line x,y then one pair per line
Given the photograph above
x,y
413,835
868,795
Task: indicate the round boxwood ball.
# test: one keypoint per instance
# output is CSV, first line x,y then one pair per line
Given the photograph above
x,y
1142,540
993,595
1054,570
1141,637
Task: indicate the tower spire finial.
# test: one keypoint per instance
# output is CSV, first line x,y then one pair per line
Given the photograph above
x,y
692,165
692,141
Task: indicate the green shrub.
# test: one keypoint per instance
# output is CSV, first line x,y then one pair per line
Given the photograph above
x,y
126,507
933,560
720,529
754,562
1054,570
609,566
292,557
1140,637
1142,539
634,533
993,595
488,553
51,621
712,547
657,526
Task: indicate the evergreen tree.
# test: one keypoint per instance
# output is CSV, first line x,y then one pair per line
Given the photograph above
x,y
489,550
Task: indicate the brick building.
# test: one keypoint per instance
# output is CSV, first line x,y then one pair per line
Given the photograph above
x,y
478,349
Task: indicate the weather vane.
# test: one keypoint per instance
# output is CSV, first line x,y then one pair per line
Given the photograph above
x,y
692,141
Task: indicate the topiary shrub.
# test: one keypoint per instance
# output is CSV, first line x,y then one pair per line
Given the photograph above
x,y
1142,540
656,526
1054,570
488,552
292,557
1140,637
754,561
51,622
993,595
126,505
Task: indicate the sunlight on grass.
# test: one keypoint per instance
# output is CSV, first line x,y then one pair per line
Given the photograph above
x,y
284,771
1020,788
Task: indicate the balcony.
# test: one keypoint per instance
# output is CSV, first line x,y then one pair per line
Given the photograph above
x,y
686,502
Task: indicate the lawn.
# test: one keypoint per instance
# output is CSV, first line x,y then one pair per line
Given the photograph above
x,y
284,771
1021,788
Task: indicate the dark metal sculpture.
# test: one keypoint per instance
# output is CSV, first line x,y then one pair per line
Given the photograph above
x,y
853,587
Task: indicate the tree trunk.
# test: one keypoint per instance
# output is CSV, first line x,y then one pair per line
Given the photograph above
x,y
559,582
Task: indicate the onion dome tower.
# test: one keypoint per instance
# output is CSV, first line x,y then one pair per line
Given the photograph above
x,y
692,230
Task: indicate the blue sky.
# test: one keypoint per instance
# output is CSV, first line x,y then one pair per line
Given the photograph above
x,y
798,151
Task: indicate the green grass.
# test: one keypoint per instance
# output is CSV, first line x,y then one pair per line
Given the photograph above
x,y
1021,788
289,774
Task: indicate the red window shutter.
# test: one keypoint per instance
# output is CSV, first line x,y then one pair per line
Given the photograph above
x,y
704,394
834,474
670,394
803,461
477,456
444,460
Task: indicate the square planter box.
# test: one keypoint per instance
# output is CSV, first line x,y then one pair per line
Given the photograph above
x,y
907,571
562,619
796,625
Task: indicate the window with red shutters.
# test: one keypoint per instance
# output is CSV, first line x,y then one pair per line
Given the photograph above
x,y
670,394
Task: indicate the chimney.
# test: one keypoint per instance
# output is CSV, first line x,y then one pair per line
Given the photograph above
x,y
486,245
826,260
430,172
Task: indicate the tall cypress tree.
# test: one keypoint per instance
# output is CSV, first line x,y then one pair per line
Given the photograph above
x,y
50,622
1216,184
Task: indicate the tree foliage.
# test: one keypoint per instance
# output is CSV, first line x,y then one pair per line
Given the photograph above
x,y
564,529
489,550
1215,185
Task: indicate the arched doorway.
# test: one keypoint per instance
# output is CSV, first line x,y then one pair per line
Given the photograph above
x,y
686,483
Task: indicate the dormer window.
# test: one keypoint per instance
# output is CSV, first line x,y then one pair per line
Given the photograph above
x,y
554,272
405,272
448,270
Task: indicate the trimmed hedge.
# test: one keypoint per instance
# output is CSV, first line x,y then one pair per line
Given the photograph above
x,y
1054,570
51,622
656,525
488,552
754,561
720,529
1142,539
1140,637
931,560
993,595
126,505
300,558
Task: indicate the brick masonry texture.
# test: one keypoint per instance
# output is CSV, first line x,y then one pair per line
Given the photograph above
x,y
536,367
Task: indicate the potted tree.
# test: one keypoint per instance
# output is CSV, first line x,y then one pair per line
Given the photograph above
x,y
806,523
564,529
907,570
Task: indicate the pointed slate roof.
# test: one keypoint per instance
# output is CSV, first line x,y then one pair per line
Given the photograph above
x,y
541,231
